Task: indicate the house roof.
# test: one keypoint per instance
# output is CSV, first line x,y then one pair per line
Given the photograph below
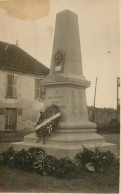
x,y
15,59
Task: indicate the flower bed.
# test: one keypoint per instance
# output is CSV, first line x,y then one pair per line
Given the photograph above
x,y
35,159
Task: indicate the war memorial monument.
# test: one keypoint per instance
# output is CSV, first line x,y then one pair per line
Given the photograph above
x,y
65,87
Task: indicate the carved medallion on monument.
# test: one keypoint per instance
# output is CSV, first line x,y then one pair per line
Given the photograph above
x,y
59,60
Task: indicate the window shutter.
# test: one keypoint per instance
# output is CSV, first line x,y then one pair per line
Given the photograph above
x,y
19,111
9,85
15,86
42,92
2,111
37,88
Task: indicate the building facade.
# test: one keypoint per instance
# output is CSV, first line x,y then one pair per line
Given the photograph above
x,y
21,92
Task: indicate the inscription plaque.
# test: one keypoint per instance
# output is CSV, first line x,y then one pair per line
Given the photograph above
x,y
77,102
74,103
80,97
57,99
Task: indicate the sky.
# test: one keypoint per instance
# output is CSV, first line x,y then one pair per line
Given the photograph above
x,y
32,23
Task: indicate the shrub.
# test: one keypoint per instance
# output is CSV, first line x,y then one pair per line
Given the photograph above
x,y
7,157
26,159
50,165
101,160
84,157
35,159
19,159
38,164
64,167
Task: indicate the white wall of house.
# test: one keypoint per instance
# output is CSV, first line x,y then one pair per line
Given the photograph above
x,y
25,99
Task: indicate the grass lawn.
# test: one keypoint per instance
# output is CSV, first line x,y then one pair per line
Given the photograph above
x,y
15,180
113,138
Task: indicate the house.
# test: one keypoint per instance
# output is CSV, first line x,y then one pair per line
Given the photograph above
x,y
21,93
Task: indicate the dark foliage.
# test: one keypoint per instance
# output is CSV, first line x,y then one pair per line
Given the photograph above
x,y
50,165
101,160
35,159
64,167
50,127
7,157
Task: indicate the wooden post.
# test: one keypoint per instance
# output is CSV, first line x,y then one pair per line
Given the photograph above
x,y
118,85
94,100
117,99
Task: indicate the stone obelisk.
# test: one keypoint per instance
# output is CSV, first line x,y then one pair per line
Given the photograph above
x,y
65,87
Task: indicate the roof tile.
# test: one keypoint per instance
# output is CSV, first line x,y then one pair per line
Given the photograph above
x,y
15,59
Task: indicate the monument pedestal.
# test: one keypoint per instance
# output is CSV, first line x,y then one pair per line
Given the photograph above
x,y
67,143
65,87
74,132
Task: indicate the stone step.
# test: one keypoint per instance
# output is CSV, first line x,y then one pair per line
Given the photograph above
x,y
11,136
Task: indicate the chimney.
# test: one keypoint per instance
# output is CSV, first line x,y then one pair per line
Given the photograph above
x,y
17,43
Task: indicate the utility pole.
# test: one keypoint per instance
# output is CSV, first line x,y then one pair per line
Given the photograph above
x,y
118,85
94,100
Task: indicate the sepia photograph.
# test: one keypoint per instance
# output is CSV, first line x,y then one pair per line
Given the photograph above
x,y
60,96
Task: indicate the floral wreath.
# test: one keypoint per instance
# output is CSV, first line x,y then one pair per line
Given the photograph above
x,y
59,57
50,127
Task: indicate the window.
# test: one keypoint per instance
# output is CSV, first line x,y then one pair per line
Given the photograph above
x,y
39,89
11,86
10,118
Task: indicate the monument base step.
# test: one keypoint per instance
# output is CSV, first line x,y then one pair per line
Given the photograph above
x,y
60,150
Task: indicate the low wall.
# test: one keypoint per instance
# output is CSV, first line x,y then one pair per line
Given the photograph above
x,y
103,116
